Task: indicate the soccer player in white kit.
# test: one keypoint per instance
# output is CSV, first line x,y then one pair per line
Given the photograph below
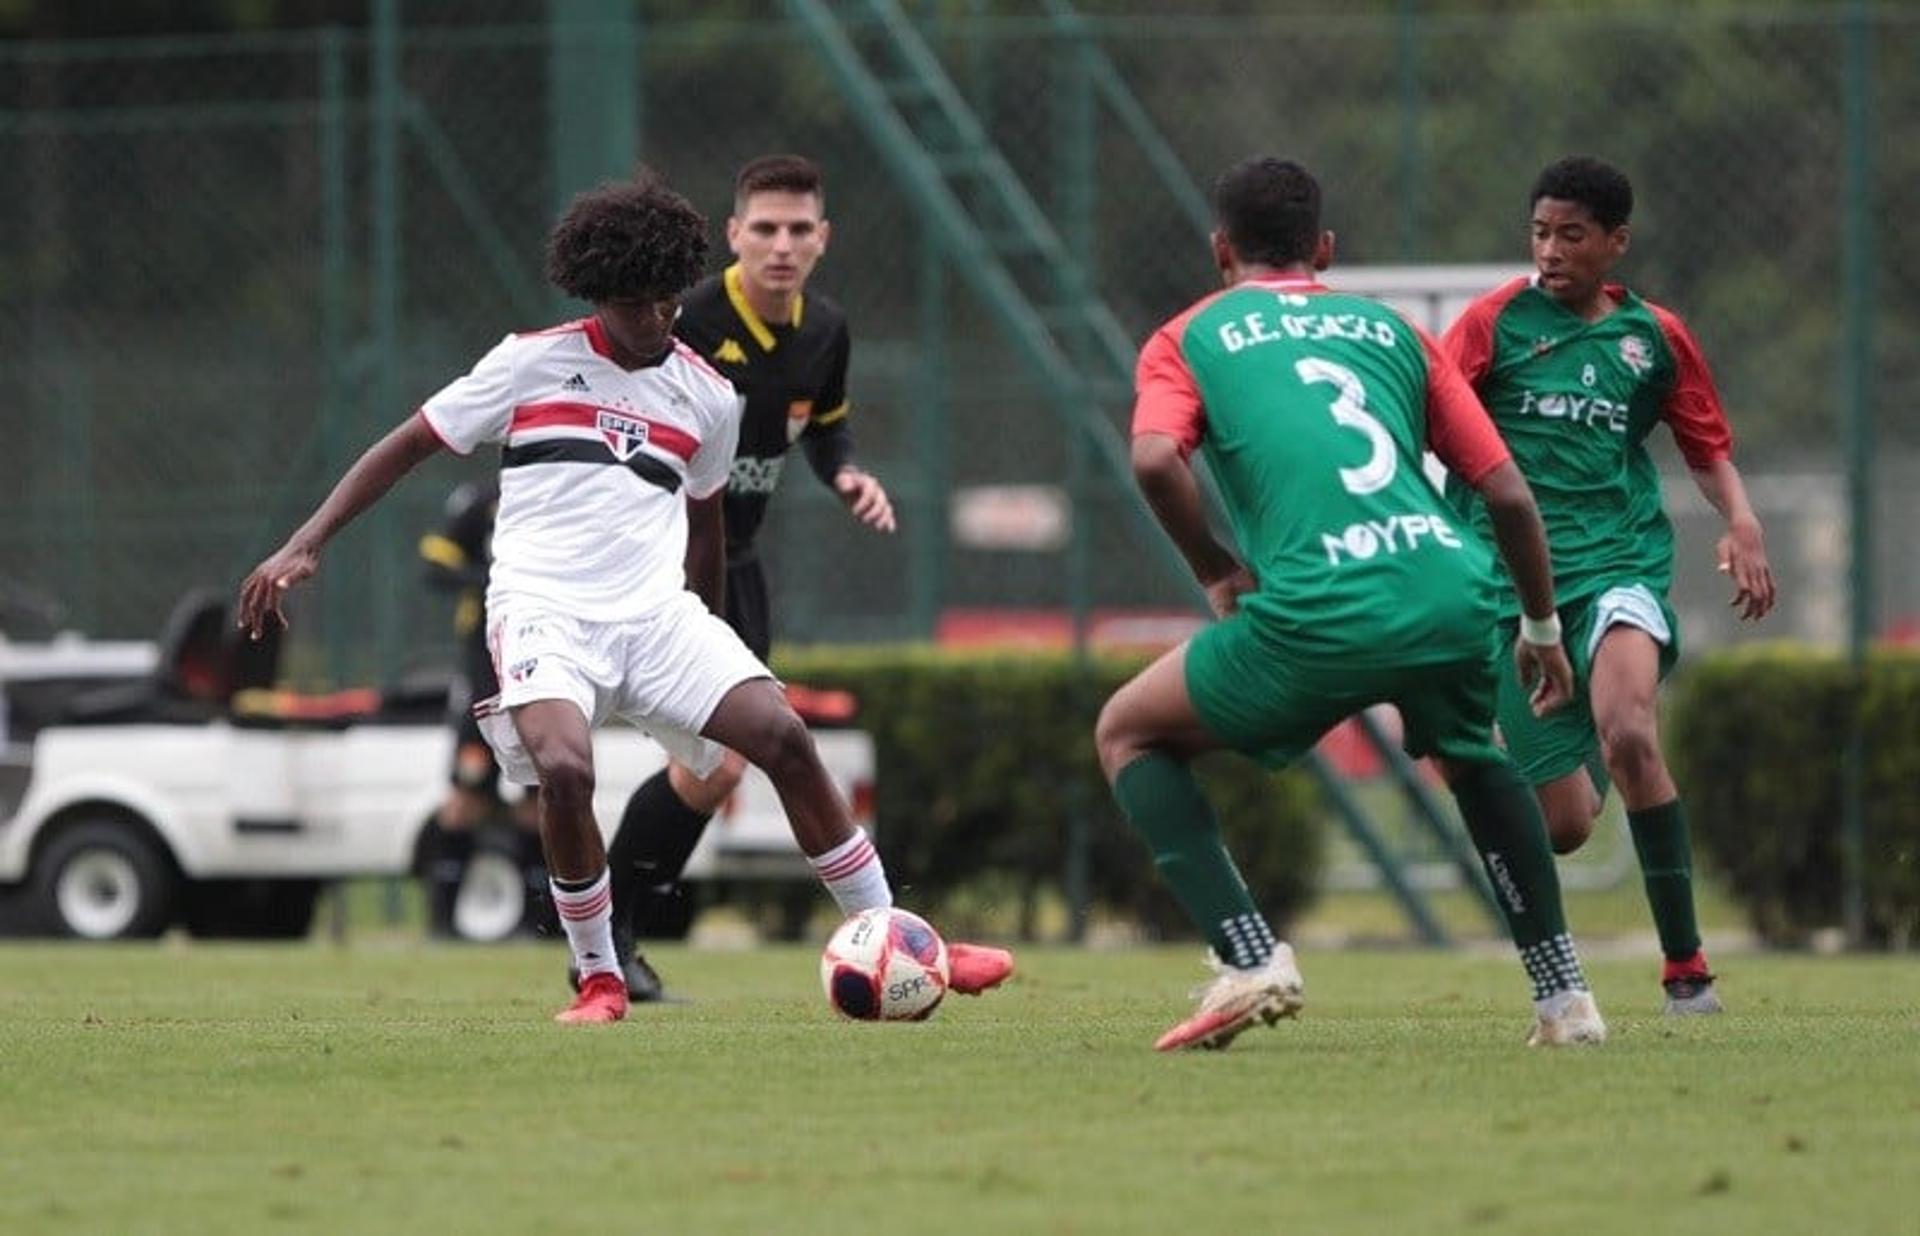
x,y
604,422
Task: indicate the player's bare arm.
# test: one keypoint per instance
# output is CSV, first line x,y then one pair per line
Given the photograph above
x,y
707,550
363,484
1171,490
829,449
865,497
1523,544
1742,551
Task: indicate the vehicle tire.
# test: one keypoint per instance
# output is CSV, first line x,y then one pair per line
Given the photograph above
x,y
492,903
105,880
251,909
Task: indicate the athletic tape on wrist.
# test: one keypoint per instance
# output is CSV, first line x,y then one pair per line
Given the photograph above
x,y
1540,630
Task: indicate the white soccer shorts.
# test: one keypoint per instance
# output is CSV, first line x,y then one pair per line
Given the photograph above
x,y
665,673
1631,605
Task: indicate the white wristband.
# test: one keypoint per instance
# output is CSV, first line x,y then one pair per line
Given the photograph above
x,y
1540,631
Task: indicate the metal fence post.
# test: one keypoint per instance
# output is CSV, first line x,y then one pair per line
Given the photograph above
x,y
1856,374
1075,138
933,426
593,92
932,414
335,398
1412,171
384,228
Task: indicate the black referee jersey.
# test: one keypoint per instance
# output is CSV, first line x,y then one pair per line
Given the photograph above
x,y
794,375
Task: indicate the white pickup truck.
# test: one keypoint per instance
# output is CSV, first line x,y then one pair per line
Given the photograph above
x,y
134,797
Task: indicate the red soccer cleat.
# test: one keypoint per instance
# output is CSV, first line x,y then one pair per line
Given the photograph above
x,y
972,968
602,999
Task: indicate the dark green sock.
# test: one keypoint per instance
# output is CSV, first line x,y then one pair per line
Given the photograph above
x,y
1666,864
1503,818
1162,800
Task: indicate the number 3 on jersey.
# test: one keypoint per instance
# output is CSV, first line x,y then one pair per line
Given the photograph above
x,y
1349,409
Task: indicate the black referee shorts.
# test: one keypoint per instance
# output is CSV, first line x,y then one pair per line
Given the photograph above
x,y
748,612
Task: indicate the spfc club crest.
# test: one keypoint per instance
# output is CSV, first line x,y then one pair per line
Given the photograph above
x,y
1637,354
624,434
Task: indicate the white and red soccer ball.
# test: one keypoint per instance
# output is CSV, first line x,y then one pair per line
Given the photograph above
x,y
885,964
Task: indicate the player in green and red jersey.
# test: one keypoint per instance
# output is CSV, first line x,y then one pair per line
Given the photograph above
x,y
1352,586
1577,372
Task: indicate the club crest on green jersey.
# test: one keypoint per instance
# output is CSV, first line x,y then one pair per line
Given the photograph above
x,y
1637,354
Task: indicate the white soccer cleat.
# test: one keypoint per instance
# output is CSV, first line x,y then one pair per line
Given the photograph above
x,y
1566,1019
1689,989
1698,1002
1237,999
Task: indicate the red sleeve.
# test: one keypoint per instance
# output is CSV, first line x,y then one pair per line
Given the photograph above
x,y
1166,400
1692,408
1458,427
1469,341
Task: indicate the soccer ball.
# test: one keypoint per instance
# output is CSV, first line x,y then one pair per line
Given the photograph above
x,y
885,965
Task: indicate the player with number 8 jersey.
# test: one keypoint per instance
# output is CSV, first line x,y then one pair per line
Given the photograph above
x,y
1575,402
1577,371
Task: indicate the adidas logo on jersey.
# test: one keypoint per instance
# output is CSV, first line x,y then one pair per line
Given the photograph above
x,y
730,353
575,383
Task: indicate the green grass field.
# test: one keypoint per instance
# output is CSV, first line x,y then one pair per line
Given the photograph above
x,y
392,1087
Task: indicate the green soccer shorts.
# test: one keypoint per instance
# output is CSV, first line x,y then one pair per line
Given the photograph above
x,y
1274,705
1548,748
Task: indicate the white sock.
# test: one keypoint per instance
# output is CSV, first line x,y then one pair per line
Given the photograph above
x,y
853,874
587,915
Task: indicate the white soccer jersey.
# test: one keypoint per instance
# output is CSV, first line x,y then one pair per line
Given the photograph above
x,y
592,516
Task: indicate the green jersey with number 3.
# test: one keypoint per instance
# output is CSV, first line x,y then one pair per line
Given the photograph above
x,y
1312,410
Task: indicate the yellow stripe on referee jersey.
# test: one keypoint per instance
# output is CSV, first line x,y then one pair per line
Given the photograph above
x,y
442,551
737,293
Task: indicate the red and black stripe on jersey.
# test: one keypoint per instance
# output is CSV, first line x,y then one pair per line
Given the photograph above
x,y
647,467
579,450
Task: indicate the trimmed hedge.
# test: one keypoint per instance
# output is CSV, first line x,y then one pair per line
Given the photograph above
x,y
1757,739
980,756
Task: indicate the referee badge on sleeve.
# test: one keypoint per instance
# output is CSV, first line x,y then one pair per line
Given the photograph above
x,y
799,412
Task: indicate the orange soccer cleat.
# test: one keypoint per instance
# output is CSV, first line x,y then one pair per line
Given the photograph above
x,y
972,968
